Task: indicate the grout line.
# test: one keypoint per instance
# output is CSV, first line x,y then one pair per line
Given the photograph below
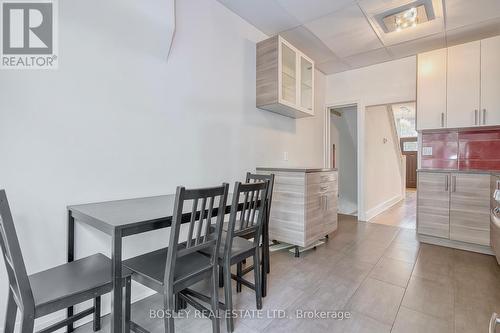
x,y
406,288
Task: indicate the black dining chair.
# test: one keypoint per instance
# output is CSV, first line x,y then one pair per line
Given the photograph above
x,y
235,249
54,289
170,270
266,258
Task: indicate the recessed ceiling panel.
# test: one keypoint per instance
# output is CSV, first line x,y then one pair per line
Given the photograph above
x,y
375,9
433,42
368,58
345,32
333,66
267,15
460,13
308,10
308,43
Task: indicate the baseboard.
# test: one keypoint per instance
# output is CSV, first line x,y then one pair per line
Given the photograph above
x,y
455,244
49,320
380,208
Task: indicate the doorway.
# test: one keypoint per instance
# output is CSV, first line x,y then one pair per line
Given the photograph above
x,y
343,151
404,119
410,150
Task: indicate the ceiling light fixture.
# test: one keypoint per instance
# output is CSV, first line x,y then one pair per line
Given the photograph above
x,y
404,17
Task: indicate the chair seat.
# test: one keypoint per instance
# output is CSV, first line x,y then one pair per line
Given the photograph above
x,y
241,247
151,267
71,283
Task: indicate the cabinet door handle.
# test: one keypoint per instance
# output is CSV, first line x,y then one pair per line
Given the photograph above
x,y
493,322
453,183
484,116
475,117
446,183
326,202
442,119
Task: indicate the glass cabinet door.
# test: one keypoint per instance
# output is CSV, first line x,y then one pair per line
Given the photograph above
x,y
288,74
306,84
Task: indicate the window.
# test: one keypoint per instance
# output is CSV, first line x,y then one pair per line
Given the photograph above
x,y
404,116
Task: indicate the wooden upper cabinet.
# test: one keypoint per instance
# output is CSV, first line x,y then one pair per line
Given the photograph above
x,y
285,79
490,81
470,208
463,95
433,204
431,88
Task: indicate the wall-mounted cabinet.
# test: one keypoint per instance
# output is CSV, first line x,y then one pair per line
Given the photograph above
x,y
458,87
431,90
285,79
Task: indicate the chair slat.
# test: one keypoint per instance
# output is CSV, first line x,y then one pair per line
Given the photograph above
x,y
191,222
200,221
209,218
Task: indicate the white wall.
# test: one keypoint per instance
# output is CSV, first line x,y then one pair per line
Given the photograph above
x,y
383,173
343,131
117,120
385,83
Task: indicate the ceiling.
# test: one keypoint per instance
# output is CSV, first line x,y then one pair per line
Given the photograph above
x,y
343,34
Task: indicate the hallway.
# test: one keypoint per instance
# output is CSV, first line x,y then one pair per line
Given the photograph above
x,y
403,214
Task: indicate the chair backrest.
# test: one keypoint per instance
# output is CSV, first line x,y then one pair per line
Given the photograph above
x,y
247,212
16,270
196,208
252,178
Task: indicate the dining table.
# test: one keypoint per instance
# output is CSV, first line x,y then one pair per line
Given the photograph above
x,y
123,218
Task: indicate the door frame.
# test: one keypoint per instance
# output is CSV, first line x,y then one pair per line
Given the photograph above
x,y
360,113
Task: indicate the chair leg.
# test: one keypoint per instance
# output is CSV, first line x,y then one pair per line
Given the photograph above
x,y
27,323
263,274
228,298
168,302
215,301
128,303
239,273
97,314
10,317
221,276
256,271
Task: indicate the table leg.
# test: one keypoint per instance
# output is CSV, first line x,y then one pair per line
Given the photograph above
x,y
116,273
70,257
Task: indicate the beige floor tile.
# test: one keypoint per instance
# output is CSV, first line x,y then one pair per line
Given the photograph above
x,y
436,254
392,271
434,270
367,251
402,251
378,300
358,323
473,315
410,321
429,297
351,270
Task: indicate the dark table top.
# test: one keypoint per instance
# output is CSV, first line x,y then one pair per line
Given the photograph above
x,y
131,213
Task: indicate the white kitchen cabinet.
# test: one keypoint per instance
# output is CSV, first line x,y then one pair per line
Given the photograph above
x,y
431,88
490,81
459,86
285,79
463,81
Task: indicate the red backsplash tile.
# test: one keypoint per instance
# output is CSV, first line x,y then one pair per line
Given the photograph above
x,y
463,150
444,150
